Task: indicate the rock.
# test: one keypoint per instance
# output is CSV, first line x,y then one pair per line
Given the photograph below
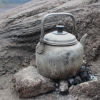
x,y
28,83
63,87
89,89
20,29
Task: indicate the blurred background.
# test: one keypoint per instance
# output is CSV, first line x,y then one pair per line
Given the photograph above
x,y
8,4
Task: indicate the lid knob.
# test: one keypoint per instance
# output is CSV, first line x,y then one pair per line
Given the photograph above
x,y
60,28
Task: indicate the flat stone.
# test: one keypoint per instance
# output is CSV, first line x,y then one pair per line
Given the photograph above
x,y
89,89
28,83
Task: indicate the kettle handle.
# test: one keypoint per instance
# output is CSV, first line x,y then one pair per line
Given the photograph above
x,y
50,14
40,48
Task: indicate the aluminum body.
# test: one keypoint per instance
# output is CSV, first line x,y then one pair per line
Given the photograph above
x,y
58,57
59,62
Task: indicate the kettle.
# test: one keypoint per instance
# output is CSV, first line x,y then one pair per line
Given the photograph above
x,y
59,54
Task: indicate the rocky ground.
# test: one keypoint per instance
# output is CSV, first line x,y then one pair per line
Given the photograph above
x,y
20,31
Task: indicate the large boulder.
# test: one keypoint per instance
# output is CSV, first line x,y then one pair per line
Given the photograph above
x,y
20,30
28,83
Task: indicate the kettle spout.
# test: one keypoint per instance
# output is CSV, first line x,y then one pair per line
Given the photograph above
x,y
82,40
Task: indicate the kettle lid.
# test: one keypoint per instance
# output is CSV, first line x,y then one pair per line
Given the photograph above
x,y
60,37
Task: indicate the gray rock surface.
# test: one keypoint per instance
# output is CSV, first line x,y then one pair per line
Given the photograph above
x,y
87,89
20,30
28,83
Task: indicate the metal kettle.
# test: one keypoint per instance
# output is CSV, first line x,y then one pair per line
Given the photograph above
x,y
59,54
